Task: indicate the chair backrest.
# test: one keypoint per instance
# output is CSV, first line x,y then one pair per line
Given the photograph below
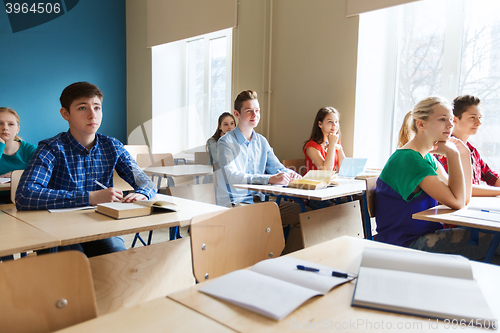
x,y
14,182
234,239
120,184
298,165
126,278
201,157
136,149
371,183
46,293
203,192
324,224
152,160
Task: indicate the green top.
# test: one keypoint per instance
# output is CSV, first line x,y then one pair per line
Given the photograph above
x,y
19,160
405,169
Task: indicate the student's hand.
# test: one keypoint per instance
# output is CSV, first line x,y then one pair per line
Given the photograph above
x,y
462,148
332,139
444,148
293,175
338,147
281,178
131,197
107,195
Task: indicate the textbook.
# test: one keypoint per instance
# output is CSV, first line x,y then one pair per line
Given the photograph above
x,y
424,284
275,287
122,210
481,208
315,180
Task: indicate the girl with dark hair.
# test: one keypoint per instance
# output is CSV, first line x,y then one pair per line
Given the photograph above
x,y
226,123
323,150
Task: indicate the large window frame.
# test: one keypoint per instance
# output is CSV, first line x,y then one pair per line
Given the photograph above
x,y
379,110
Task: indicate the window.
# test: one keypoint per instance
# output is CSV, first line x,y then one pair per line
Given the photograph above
x,y
432,47
191,88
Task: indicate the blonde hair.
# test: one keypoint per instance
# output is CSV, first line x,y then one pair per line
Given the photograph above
x,y
14,113
405,133
421,111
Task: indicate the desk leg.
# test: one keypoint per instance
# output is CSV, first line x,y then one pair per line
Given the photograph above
x,y
368,224
174,233
493,247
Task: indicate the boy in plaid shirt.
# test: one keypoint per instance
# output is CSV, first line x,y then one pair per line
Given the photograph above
x,y
66,170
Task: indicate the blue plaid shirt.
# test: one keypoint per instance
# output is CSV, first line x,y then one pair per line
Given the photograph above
x,y
62,172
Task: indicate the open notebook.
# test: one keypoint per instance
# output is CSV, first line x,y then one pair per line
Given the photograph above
x,y
423,284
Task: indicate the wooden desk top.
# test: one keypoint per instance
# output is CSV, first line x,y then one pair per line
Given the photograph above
x,y
5,187
86,225
159,315
442,214
333,311
346,187
181,170
17,236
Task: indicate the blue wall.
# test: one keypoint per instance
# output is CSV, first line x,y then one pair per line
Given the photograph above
x,y
88,43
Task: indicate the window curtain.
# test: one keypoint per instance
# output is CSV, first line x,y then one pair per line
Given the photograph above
x,y
173,20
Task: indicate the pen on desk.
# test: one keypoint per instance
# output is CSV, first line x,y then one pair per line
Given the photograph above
x,y
101,185
316,270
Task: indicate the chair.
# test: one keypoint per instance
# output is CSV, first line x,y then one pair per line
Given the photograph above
x,y
201,157
14,182
126,278
202,192
46,293
121,184
324,224
134,150
370,228
147,160
234,239
298,165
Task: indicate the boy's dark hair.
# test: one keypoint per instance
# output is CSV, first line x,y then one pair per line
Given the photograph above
x,y
77,90
462,103
243,96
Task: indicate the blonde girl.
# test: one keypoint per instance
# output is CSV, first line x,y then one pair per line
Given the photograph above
x,y
14,153
412,181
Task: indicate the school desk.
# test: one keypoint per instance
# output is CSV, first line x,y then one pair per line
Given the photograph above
x,y
333,312
17,236
75,227
186,158
159,315
442,214
5,187
180,170
346,187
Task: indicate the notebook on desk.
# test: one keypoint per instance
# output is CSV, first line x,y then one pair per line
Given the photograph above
x,y
351,167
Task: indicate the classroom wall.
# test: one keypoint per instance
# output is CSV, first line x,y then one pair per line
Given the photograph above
x,y
298,55
139,78
87,43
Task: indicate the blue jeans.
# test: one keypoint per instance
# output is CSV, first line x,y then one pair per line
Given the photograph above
x,y
94,248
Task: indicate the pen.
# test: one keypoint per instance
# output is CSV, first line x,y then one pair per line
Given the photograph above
x,y
316,270
104,187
